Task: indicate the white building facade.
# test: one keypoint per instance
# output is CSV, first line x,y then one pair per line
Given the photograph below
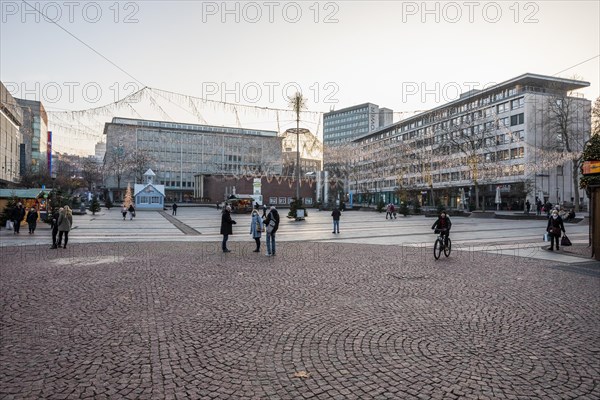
x,y
502,139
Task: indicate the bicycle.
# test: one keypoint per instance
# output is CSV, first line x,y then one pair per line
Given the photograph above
x,y
439,245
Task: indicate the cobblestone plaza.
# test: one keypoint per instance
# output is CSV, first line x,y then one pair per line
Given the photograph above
x,y
132,312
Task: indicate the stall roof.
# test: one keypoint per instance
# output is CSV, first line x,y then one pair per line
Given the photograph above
x,y
22,193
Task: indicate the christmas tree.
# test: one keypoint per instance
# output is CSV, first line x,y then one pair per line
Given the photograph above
x,y
95,206
128,199
12,203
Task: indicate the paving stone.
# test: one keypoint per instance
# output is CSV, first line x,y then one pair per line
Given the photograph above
x,y
356,322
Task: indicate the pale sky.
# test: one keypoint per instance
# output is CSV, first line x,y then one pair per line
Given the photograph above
x,y
396,54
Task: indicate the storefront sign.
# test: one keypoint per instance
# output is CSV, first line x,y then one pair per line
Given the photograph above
x,y
591,167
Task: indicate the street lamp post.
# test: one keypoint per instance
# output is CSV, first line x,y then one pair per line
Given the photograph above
x,y
298,157
297,103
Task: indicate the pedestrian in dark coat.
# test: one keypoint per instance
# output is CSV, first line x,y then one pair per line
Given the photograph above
x,y
65,221
272,224
548,208
256,228
174,208
16,216
555,229
54,225
31,219
336,220
527,206
131,210
226,227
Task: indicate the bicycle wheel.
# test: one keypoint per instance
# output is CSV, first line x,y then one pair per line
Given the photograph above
x,y
437,248
448,249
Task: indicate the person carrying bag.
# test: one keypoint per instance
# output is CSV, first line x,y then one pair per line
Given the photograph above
x,y
554,228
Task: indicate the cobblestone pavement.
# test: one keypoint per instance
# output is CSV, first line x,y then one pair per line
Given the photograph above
x,y
319,320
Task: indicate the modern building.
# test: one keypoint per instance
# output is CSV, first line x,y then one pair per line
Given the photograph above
x,y
36,144
100,151
181,155
502,142
11,120
347,124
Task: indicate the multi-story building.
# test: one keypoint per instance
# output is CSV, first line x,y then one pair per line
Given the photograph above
x,y
504,142
34,150
100,151
347,124
11,119
181,155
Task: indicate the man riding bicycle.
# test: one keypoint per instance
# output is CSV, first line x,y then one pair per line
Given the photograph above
x,y
442,226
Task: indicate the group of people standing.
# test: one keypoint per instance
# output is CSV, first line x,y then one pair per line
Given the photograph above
x,y
16,217
258,225
62,221
130,210
390,210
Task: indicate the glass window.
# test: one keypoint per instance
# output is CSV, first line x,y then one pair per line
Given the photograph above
x,y
517,119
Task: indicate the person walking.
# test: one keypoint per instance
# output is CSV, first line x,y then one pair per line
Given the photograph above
x,y
174,209
392,210
272,224
16,216
538,207
336,220
264,207
555,228
256,228
65,221
124,211
31,219
388,211
131,210
54,225
442,225
226,227
527,206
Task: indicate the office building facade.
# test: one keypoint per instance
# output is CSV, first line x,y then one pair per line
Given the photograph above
x,y
502,141
347,124
11,120
34,153
182,154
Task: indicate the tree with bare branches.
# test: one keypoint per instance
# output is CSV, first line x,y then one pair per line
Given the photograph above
x,y
139,161
565,134
91,172
472,135
596,117
116,163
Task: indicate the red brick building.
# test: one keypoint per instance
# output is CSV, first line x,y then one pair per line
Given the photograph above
x,y
276,190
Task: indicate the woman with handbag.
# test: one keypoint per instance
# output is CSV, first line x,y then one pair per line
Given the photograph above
x,y
256,228
555,227
65,222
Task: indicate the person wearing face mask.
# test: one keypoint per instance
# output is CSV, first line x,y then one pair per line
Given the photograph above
x,y
442,225
555,227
